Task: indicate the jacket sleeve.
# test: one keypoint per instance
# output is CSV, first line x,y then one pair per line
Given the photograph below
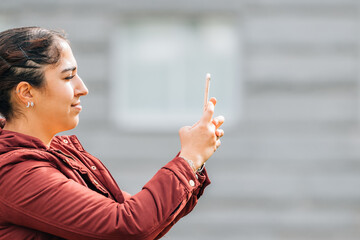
x,y
36,195
204,181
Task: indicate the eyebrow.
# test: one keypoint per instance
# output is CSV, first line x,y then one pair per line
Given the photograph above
x,y
69,69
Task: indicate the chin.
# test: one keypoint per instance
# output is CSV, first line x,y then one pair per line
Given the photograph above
x,y
71,124
75,123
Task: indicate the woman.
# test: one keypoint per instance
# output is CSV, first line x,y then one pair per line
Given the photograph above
x,y
50,187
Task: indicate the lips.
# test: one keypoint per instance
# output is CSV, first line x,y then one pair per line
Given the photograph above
x,y
77,106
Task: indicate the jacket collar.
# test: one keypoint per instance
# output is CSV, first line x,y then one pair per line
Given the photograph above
x,y
10,140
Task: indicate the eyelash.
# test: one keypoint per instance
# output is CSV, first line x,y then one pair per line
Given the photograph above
x,y
70,77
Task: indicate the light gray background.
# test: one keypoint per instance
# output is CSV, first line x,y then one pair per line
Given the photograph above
x,y
290,167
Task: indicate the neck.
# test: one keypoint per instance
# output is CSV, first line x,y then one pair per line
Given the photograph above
x,y
26,127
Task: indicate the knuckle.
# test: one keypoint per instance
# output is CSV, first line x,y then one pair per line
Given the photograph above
x,y
182,130
211,131
203,127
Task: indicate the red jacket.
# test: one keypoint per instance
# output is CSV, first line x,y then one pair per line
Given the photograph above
x,y
64,192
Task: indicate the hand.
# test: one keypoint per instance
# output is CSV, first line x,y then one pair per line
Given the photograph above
x,y
200,141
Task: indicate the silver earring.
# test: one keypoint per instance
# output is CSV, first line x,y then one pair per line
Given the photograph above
x,y
30,104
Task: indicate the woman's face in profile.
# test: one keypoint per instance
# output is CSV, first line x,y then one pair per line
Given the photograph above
x,y
58,102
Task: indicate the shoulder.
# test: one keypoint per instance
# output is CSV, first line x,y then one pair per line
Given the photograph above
x,y
24,157
24,162
24,154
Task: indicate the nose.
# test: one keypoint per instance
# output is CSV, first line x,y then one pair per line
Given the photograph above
x,y
80,88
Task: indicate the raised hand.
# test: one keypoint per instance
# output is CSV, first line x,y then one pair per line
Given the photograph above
x,y
200,141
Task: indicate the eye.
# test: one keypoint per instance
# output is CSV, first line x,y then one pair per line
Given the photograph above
x,y
70,77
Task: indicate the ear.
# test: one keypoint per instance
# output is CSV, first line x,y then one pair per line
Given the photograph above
x,y
24,93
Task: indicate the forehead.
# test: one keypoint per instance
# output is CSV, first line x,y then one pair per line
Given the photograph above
x,y
66,64
67,58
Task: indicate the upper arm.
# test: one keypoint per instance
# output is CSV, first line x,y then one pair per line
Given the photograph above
x,y
36,195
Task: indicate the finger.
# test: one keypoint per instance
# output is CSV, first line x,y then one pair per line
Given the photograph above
x,y
195,124
218,121
219,133
208,113
213,100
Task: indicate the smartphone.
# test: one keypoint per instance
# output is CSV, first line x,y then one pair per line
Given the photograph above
x,y
207,89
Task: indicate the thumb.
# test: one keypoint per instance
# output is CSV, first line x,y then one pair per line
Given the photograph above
x,y
208,113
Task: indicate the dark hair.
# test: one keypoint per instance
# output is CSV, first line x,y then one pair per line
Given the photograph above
x,y
24,52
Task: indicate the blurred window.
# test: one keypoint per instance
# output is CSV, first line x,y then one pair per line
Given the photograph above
x,y
159,66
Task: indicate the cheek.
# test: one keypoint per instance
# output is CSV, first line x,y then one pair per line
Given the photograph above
x,y
60,97
64,92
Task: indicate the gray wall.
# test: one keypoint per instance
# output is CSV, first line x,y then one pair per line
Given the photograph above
x,y
290,167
